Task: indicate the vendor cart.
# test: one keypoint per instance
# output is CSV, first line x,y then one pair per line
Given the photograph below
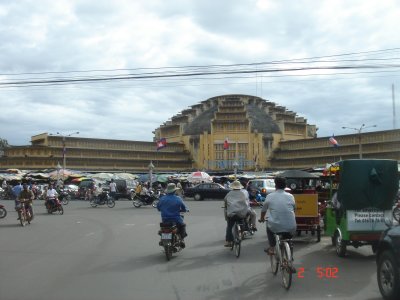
x,y
365,196
303,187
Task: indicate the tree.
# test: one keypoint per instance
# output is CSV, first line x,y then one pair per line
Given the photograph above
x,y
3,144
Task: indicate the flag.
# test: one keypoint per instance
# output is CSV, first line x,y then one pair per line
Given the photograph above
x,y
226,144
162,143
333,141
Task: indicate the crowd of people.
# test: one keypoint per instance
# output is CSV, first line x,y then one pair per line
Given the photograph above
x,y
278,207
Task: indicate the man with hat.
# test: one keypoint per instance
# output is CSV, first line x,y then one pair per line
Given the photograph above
x,y
26,195
236,208
170,207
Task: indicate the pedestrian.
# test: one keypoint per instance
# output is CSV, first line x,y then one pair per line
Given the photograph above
x,y
113,189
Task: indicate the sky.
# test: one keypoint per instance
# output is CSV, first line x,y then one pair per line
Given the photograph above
x,y
119,69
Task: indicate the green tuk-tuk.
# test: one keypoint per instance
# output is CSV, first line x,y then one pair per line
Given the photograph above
x,y
365,196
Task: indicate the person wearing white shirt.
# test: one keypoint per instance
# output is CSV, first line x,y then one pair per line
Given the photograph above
x,y
51,194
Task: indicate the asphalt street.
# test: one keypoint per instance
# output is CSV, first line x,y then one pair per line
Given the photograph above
x,y
113,253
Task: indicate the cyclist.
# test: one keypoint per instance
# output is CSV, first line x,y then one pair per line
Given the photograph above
x,y
280,209
26,195
251,213
236,208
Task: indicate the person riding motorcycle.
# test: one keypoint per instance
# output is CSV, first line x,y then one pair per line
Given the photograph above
x,y
171,206
251,213
280,208
236,208
51,195
25,195
145,194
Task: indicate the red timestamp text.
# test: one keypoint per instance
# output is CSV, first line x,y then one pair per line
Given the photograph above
x,y
320,272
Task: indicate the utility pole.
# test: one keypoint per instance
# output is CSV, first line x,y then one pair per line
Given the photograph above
x,y
359,137
394,108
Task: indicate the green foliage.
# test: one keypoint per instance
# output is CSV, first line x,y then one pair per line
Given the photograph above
x,y
3,143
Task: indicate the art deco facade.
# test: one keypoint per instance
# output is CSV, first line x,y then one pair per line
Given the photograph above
x,y
252,126
318,152
89,154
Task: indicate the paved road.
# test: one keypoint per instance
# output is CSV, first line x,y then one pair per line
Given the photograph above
x,y
102,253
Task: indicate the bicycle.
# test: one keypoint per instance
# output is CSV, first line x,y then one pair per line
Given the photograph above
x,y
238,234
282,259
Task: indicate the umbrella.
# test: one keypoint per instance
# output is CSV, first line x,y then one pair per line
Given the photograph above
x,y
79,179
56,174
146,178
125,176
163,177
102,176
199,177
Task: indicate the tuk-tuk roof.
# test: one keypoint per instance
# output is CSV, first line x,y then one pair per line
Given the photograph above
x,y
368,183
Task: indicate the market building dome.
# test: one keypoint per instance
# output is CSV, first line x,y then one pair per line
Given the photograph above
x,y
226,129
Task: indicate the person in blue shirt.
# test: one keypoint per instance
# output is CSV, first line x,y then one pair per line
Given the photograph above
x,y
16,190
171,206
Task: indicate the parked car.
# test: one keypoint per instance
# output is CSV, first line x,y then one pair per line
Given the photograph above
x,y
264,186
207,190
388,262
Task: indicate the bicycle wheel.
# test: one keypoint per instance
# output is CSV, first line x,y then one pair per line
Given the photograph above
x,y
274,263
236,240
22,218
3,212
286,267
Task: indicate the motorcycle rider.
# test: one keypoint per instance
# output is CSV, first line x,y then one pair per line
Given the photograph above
x,y
145,193
51,195
236,208
171,206
26,195
251,213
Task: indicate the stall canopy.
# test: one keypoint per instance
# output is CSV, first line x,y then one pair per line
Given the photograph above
x,y
199,177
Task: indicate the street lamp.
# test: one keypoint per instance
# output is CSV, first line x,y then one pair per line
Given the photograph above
x,y
359,136
64,149
58,171
235,167
151,168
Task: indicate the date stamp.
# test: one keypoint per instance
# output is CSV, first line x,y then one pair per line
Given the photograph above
x,y
319,272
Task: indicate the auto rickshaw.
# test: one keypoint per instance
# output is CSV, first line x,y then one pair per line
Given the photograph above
x,y
366,189
303,187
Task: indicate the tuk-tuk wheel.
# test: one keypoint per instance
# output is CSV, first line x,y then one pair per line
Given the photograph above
x,y
340,245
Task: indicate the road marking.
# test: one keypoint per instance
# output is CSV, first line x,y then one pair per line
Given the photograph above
x,y
89,234
129,224
150,224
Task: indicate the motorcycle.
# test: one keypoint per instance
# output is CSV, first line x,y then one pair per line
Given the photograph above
x,y
64,196
151,199
171,240
102,199
3,211
25,215
54,206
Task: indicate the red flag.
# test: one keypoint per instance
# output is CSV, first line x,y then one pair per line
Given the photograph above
x,y
226,144
162,143
333,141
